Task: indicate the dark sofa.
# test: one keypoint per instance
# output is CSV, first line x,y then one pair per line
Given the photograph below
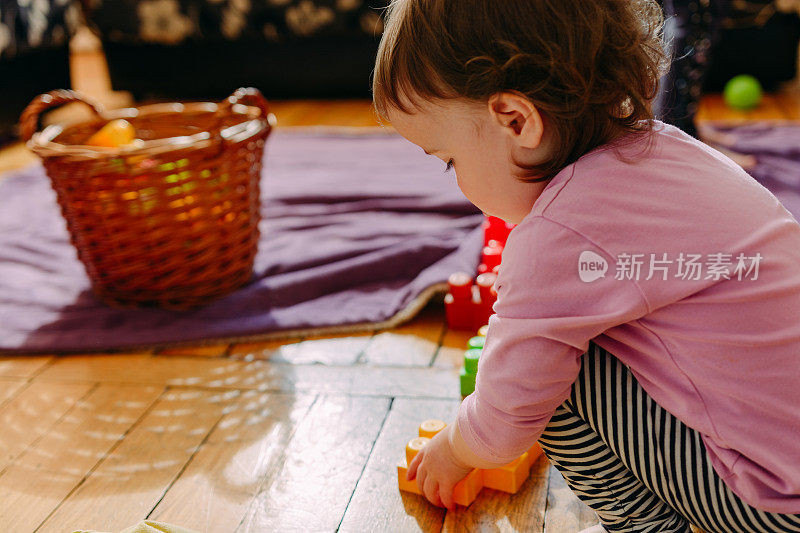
x,y
34,53
206,48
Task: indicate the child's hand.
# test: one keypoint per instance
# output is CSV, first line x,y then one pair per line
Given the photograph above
x,y
437,471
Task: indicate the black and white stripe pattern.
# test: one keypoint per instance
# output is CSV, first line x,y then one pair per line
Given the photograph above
x,y
640,468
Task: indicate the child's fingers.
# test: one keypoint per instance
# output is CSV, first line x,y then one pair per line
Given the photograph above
x,y
446,496
431,491
438,501
412,468
421,476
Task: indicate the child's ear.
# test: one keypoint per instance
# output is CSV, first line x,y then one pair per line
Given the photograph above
x,y
518,116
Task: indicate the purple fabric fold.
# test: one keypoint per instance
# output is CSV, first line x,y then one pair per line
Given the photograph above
x,y
776,147
355,228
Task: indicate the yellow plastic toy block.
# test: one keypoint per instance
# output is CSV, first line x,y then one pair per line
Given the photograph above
x,y
429,428
413,446
508,478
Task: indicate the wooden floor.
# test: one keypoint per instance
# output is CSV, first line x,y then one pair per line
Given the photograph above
x,y
302,435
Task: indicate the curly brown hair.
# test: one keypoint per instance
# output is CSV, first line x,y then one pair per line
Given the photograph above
x,y
590,66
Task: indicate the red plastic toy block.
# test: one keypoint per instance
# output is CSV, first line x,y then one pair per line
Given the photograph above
x,y
485,283
460,285
496,229
491,255
459,303
469,302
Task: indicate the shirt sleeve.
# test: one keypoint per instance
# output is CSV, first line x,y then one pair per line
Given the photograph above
x,y
553,297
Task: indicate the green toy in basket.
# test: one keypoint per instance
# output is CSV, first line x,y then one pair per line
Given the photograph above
x,y
743,92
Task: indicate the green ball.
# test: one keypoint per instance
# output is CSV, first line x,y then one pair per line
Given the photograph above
x,y
743,92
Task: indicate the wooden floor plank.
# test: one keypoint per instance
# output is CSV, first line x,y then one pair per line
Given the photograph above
x,y
565,512
310,489
451,351
291,112
377,504
32,413
412,344
15,156
329,350
129,482
265,350
327,112
255,375
789,101
33,486
10,387
713,108
23,366
219,484
341,112
209,350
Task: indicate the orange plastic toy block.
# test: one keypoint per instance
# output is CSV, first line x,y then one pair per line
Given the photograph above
x,y
405,485
115,133
466,490
508,478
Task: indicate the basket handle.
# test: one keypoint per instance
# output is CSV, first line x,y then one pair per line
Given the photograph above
x,y
29,119
247,96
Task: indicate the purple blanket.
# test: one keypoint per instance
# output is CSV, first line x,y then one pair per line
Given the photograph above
x,y
777,152
358,231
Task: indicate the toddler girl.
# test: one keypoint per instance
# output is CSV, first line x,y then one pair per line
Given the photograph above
x,y
647,326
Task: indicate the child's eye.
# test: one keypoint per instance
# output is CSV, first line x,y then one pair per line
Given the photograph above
x,y
449,166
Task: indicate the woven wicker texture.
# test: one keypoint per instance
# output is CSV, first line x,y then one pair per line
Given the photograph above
x,y
172,221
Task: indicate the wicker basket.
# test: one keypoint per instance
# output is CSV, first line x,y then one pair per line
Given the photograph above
x,y
172,222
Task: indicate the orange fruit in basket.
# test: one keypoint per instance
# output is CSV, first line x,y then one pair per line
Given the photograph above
x,y
114,134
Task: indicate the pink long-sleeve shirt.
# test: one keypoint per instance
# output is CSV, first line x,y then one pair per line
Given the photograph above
x,y
700,299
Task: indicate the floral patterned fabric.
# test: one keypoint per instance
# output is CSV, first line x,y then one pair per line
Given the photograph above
x,y
177,21
31,24
755,13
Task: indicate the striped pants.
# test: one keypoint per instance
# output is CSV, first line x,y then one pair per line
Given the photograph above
x,y
637,466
